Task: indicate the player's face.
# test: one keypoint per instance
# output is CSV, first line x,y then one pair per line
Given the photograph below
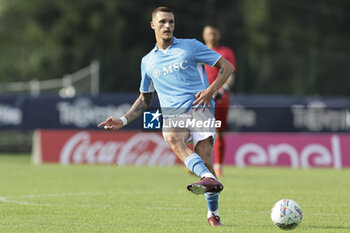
x,y
211,35
163,24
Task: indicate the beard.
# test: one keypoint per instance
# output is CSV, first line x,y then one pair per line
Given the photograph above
x,y
168,39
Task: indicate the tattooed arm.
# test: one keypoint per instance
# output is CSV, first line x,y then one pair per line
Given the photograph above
x,y
225,71
136,110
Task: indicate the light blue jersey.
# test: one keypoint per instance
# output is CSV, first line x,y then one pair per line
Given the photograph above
x,y
178,73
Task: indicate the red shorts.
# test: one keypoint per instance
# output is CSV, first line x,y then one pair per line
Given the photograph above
x,y
221,110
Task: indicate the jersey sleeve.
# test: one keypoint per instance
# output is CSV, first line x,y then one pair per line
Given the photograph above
x,y
146,82
205,55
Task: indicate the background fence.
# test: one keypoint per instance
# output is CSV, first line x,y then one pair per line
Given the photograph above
x,y
247,113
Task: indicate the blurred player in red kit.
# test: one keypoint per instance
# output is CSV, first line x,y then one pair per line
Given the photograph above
x,y
211,36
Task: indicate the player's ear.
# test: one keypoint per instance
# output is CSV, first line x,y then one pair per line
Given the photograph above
x,y
152,24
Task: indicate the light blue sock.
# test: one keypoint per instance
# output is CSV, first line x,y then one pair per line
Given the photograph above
x,y
212,201
196,165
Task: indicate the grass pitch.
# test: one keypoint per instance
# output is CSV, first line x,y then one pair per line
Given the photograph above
x,y
83,198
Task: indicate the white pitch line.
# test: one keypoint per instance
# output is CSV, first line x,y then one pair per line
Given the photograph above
x,y
12,199
5,200
60,194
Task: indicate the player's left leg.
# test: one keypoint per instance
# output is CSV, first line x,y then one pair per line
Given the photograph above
x,y
204,148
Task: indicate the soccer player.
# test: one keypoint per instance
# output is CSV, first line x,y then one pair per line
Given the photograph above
x,y
174,68
211,36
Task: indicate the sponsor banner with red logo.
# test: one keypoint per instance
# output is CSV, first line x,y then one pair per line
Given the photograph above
x,y
100,147
146,148
290,149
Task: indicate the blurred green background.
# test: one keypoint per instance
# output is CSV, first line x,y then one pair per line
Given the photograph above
x,y
299,47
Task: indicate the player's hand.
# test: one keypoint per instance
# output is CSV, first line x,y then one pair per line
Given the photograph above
x,y
111,124
203,98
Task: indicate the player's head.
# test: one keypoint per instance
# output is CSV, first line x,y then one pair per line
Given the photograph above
x,y
211,35
163,23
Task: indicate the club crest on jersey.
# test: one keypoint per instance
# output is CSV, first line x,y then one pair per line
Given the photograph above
x,y
156,73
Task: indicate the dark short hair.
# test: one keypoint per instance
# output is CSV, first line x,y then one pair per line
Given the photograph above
x,y
213,25
161,9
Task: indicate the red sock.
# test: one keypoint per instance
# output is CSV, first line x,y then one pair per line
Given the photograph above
x,y
219,149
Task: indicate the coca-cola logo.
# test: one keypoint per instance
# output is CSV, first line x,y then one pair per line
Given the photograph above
x,y
140,149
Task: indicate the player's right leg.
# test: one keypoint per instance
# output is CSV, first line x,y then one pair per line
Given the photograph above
x,y
176,138
208,183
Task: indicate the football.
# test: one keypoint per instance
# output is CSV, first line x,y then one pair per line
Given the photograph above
x,y
286,214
